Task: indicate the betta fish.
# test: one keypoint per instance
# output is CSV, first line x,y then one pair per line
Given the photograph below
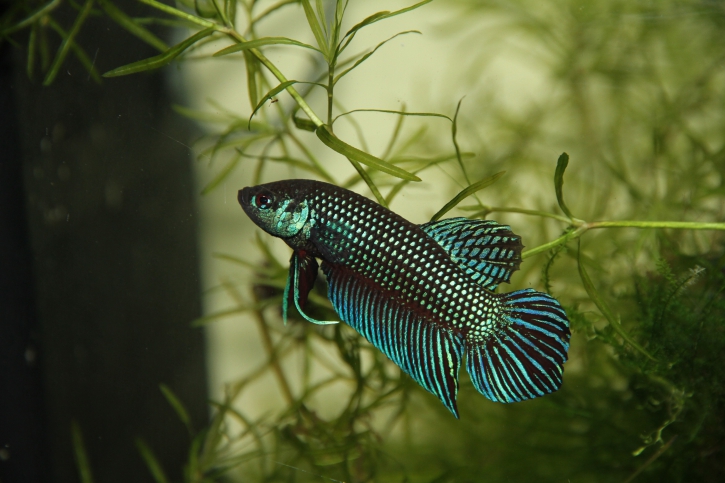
x,y
422,294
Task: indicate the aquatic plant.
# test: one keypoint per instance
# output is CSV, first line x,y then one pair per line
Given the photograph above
x,y
633,247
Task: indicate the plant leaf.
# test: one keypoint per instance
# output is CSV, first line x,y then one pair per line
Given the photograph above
x,y
454,132
376,17
233,259
269,95
253,44
81,455
561,165
230,11
333,142
402,113
274,92
272,9
151,461
67,43
304,124
466,193
77,50
315,26
604,308
221,176
366,56
206,9
161,59
368,181
30,19
131,26
179,13
32,48
199,115
207,319
177,405
428,163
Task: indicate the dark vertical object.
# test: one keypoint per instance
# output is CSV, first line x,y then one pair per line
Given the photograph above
x,y
22,443
112,223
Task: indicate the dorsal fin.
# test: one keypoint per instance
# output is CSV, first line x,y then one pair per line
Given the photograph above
x,y
488,252
428,352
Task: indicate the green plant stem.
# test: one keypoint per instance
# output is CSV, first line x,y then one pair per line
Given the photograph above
x,y
268,345
678,225
554,243
368,181
277,73
67,43
237,37
583,226
330,88
41,12
651,459
315,162
81,454
181,14
497,209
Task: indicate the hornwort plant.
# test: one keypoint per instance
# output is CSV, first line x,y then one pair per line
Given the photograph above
x,y
636,96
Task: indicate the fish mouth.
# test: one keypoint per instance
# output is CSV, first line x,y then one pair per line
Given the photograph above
x,y
244,196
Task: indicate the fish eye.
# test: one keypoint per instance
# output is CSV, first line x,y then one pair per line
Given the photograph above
x,y
262,201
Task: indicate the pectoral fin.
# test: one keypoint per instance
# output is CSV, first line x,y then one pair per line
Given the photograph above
x,y
301,279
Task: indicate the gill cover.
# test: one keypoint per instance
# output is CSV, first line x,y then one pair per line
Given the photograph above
x,y
275,212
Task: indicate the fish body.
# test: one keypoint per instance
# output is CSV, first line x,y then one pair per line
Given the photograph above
x,y
423,294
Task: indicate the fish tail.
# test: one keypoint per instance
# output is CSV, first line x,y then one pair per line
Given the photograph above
x,y
524,357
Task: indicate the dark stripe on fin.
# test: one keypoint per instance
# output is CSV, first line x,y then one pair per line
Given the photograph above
x,y
427,352
488,252
525,358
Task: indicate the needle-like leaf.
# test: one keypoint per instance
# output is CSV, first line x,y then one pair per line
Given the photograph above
x,y
561,165
366,56
32,18
402,113
178,406
604,308
132,26
334,143
161,59
315,26
151,461
376,17
466,193
81,455
67,43
274,92
253,44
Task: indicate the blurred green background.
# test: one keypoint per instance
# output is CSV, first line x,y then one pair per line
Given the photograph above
x,y
634,92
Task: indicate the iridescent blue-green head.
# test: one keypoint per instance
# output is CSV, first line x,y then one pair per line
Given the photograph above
x,y
277,208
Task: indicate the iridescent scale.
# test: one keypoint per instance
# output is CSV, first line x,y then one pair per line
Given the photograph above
x,y
399,257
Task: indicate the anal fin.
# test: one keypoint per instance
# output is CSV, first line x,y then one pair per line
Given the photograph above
x,y
423,348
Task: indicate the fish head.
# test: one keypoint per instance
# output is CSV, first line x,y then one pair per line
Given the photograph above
x,y
275,209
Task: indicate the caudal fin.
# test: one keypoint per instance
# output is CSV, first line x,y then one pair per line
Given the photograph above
x,y
525,358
